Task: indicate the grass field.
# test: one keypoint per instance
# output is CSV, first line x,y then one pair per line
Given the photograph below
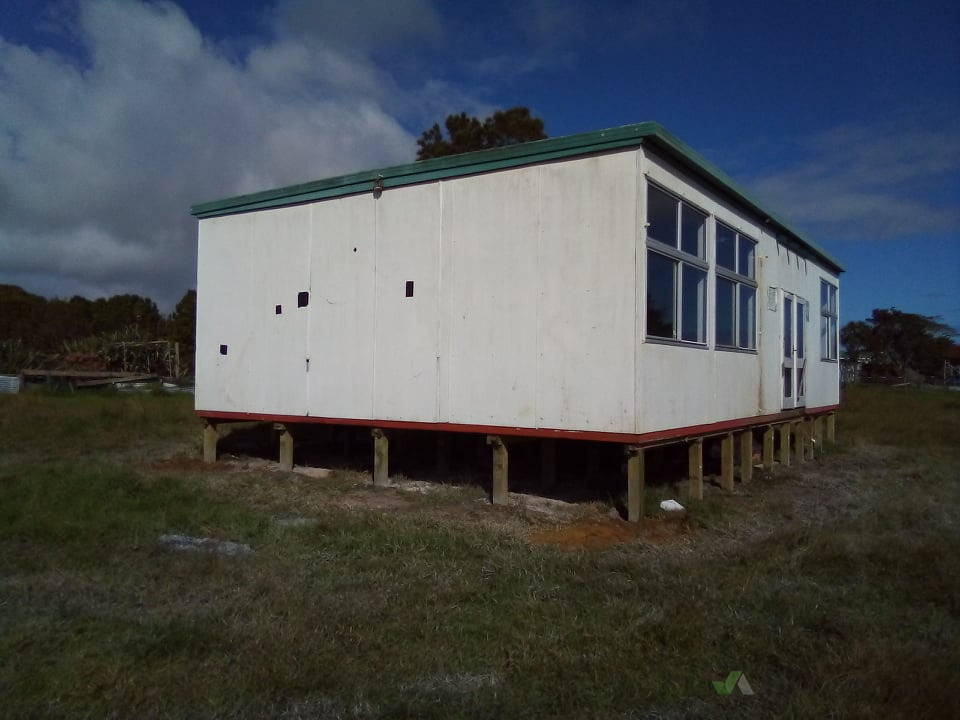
x,y
834,586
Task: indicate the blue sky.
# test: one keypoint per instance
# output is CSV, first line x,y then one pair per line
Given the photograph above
x,y
116,116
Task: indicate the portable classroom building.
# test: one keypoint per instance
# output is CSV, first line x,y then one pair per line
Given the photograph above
x,y
611,286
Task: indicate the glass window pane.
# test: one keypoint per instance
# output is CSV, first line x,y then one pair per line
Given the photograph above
x,y
745,258
833,339
725,311
726,247
801,324
694,231
788,327
662,216
661,296
748,317
833,300
824,297
787,382
693,305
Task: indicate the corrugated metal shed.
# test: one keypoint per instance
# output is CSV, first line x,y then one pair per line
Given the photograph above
x,y
9,384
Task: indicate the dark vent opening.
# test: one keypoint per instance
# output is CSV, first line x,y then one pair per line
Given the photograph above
x,y
409,288
303,299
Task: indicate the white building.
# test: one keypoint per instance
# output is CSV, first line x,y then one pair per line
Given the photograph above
x,y
609,286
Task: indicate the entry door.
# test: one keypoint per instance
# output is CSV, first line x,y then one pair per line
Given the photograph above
x,y
794,351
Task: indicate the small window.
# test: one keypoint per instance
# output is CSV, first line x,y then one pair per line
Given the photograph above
x,y
278,309
726,248
409,289
303,299
661,216
736,291
693,301
693,231
828,321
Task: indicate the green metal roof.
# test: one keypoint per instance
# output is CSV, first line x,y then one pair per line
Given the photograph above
x,y
511,156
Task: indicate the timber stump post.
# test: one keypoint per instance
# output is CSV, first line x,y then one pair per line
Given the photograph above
x,y
210,436
768,437
500,493
286,447
635,482
785,444
832,427
381,457
726,462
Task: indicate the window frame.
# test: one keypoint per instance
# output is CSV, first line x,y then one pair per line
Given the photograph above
x,y
740,283
681,261
829,321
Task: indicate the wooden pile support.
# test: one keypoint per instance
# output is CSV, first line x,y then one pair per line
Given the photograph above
x,y
798,440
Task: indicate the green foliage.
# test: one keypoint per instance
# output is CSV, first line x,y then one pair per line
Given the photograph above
x,y
40,332
15,356
466,134
897,343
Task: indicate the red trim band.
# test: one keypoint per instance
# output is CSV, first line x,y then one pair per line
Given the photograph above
x,y
600,436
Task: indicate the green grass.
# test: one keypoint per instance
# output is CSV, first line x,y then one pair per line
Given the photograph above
x,y
834,587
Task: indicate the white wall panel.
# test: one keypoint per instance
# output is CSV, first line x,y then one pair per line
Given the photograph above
x,y
249,264
678,387
492,241
276,349
585,326
406,351
223,274
342,308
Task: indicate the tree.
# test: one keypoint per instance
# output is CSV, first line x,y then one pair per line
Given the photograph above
x,y
465,134
898,342
182,329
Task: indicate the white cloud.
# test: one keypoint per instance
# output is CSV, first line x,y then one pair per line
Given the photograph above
x,y
101,158
888,179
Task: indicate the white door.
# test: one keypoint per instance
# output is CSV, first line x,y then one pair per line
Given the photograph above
x,y
794,351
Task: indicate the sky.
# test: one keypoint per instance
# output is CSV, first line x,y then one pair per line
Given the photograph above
x,y
117,115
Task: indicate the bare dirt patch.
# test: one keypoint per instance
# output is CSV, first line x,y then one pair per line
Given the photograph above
x,y
599,533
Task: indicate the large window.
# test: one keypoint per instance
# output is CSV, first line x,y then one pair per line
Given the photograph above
x,y
676,269
828,321
736,290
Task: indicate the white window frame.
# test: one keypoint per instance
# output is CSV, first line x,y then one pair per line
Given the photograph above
x,y
739,281
829,318
680,260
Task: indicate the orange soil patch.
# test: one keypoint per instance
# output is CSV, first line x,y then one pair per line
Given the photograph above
x,y
599,533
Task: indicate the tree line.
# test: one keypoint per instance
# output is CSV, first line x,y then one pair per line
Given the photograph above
x,y
896,344
78,333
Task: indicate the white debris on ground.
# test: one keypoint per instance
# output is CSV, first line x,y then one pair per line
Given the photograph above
x,y
296,522
463,683
671,506
418,486
185,543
